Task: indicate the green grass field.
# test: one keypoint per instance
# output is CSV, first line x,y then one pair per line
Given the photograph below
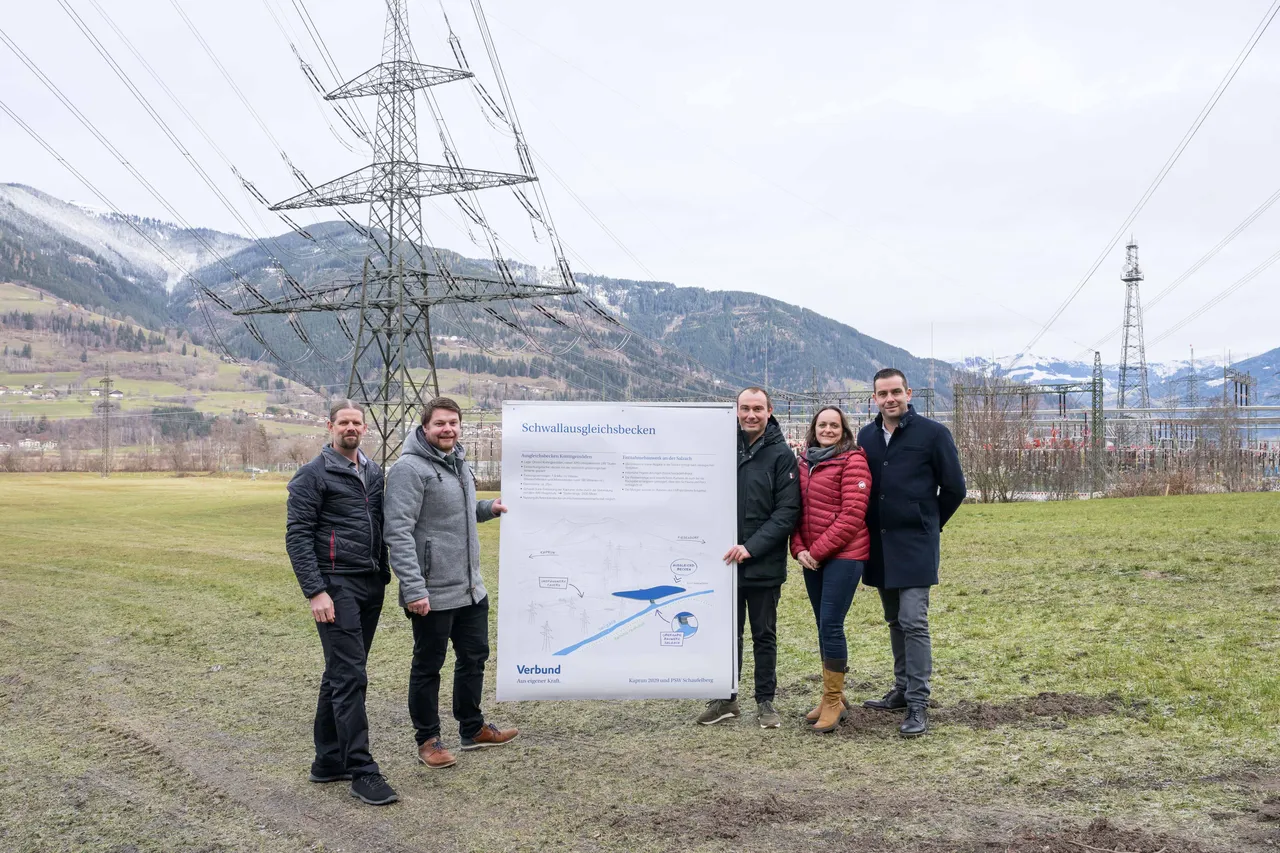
x,y
158,670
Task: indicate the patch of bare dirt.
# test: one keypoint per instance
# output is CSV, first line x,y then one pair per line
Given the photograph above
x,y
1057,706
725,817
1101,836
1259,783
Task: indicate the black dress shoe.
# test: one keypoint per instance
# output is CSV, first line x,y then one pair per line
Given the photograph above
x,y
894,700
916,723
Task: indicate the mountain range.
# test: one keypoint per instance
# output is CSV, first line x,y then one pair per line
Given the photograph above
x,y
1168,382
684,341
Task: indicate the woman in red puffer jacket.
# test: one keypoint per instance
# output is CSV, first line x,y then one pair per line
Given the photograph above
x,y
831,542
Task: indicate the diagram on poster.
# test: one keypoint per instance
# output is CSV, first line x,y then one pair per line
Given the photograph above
x,y
611,582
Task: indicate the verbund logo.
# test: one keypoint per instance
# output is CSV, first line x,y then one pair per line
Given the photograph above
x,y
538,670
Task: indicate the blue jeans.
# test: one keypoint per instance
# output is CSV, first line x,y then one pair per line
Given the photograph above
x,y
831,589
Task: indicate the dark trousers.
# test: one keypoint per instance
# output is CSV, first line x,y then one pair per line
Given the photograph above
x,y
760,605
907,612
831,589
341,726
468,628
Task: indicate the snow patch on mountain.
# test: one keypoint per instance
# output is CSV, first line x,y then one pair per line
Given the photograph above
x,y
115,236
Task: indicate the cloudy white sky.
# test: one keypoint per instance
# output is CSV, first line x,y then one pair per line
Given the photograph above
x,y
937,174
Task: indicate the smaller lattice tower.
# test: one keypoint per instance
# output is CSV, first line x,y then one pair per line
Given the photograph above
x,y
1134,392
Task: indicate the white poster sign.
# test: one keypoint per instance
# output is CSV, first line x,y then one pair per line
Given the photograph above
x,y
611,579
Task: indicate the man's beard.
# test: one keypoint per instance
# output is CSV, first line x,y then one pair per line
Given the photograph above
x,y
349,442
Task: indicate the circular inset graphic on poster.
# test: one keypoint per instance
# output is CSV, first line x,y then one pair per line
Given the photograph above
x,y
686,623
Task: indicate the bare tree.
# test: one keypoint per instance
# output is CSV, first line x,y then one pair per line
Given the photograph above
x,y
992,428
300,450
179,455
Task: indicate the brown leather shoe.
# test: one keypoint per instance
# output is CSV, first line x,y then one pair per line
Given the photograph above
x,y
489,735
435,756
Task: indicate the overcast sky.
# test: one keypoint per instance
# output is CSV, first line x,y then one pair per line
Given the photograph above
x,y
928,170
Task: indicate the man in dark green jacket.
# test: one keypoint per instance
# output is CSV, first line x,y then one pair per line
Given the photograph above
x,y
768,508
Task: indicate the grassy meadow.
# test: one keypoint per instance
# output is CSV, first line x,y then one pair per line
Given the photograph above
x,y
1107,677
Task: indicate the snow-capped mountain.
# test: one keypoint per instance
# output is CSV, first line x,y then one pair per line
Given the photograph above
x,y
1168,380
112,238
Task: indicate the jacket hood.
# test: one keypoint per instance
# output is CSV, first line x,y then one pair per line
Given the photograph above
x,y
419,446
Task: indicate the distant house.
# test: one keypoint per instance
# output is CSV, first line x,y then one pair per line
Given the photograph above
x,y
49,395
37,386
49,445
28,444
5,448
116,394
95,392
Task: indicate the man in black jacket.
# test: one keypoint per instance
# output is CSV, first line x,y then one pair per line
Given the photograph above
x,y
916,486
768,508
334,540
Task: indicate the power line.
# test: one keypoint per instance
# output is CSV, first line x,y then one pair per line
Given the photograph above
x,y
1223,294
1164,171
1204,259
245,286
129,221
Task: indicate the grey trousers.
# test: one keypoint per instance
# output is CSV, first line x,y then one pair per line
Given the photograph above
x,y
907,612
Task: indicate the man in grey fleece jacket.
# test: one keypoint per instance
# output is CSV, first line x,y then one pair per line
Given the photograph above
x,y
430,526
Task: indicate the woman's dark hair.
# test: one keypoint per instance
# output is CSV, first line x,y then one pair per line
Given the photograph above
x,y
847,439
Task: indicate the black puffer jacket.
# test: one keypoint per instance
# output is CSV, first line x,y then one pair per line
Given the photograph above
x,y
768,505
335,522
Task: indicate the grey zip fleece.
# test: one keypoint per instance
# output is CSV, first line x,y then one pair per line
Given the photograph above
x,y
430,525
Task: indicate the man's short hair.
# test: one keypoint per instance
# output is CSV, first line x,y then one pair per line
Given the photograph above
x,y
754,390
889,373
446,403
339,405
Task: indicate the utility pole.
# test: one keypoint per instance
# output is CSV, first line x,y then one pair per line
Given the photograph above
x,y
1193,383
1134,391
768,330
1098,428
104,409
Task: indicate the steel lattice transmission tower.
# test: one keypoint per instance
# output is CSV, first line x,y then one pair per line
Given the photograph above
x,y
1134,392
403,277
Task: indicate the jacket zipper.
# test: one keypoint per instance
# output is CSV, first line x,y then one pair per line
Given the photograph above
x,y
368,518
465,503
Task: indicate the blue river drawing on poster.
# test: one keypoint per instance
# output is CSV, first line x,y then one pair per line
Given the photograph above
x,y
679,595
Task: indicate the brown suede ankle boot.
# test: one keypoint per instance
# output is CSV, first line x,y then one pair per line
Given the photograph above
x,y
813,715
832,710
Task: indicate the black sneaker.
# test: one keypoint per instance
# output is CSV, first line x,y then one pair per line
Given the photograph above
x,y
894,700
373,789
328,775
916,723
